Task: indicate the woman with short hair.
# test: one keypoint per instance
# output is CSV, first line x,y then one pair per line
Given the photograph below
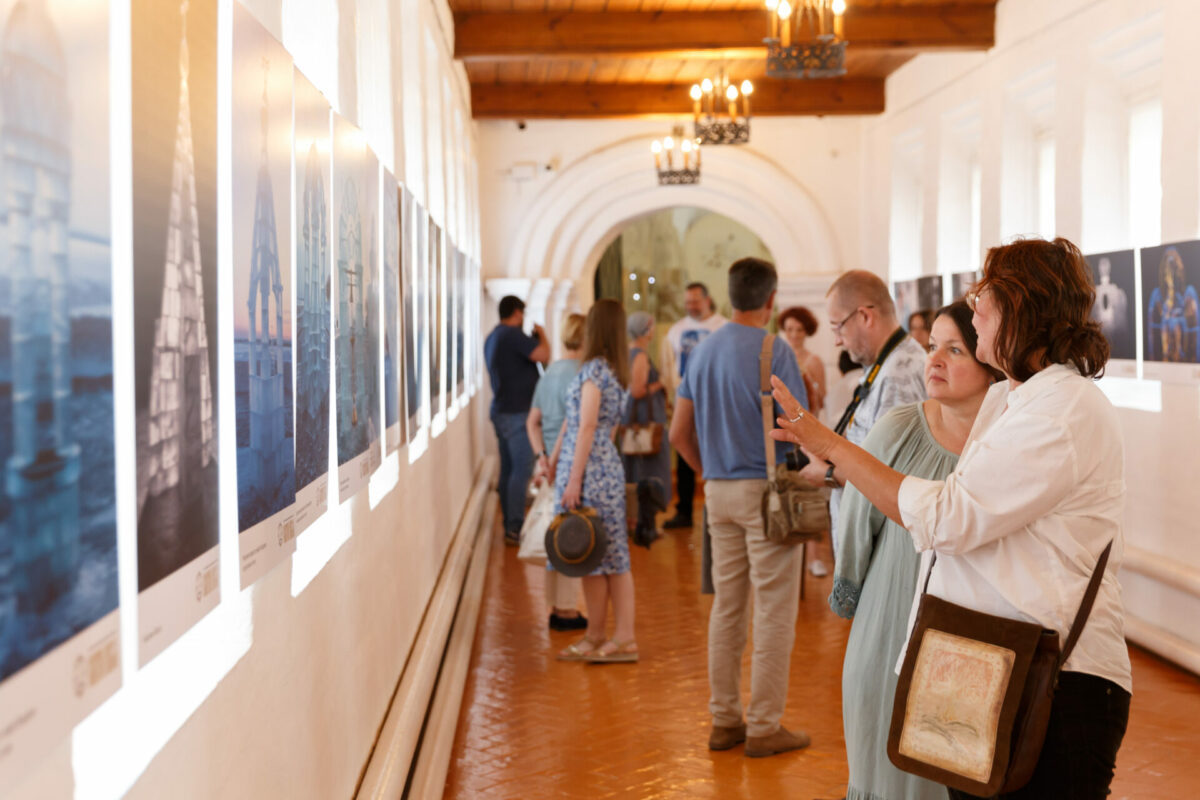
x,y
1038,494
797,324
647,403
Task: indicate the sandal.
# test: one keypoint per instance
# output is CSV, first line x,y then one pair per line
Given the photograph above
x,y
614,652
581,650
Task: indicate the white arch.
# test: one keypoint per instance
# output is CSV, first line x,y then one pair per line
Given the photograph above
x,y
567,227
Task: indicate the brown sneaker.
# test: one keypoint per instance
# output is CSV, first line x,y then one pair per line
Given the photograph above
x,y
781,741
726,738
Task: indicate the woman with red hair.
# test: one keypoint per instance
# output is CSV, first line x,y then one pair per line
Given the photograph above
x,y
797,324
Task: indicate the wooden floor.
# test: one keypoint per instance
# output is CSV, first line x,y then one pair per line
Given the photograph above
x,y
533,727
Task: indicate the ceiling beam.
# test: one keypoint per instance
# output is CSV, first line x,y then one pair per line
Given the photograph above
x,y
487,35
592,100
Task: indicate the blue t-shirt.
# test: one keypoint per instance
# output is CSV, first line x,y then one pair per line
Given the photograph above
x,y
513,375
722,381
551,397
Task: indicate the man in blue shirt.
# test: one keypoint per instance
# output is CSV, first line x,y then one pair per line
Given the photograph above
x,y
512,358
718,429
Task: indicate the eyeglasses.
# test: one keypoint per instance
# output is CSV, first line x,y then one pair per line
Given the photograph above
x,y
972,297
837,327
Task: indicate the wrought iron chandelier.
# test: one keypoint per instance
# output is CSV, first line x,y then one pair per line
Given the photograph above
x,y
715,118
682,157
806,40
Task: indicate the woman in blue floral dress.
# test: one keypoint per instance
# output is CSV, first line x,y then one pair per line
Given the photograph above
x,y
588,472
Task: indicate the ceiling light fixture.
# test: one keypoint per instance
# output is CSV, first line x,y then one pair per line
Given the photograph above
x,y
806,40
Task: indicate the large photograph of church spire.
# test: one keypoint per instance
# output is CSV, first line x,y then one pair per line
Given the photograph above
x,y
262,295
174,64
58,531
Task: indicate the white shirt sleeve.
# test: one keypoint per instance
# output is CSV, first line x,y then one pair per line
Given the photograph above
x,y
1012,476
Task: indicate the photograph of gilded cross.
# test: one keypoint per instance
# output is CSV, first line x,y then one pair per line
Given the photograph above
x,y
313,299
262,296
175,304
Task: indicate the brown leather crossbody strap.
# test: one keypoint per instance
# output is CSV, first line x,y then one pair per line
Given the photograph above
x,y
1085,605
1085,608
767,401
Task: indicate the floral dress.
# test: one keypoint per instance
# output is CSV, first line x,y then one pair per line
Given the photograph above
x,y
604,476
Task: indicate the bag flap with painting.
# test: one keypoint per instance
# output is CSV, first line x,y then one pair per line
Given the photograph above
x,y
793,511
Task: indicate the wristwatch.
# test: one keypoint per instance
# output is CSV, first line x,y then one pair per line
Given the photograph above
x,y
831,481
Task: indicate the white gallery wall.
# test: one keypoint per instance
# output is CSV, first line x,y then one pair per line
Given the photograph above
x,y
1083,121
281,690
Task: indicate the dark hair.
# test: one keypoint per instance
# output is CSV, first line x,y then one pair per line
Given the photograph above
x,y
697,285
961,315
604,337
1043,294
927,316
509,305
846,363
803,316
751,281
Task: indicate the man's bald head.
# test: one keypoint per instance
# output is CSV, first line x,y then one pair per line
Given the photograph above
x,y
861,288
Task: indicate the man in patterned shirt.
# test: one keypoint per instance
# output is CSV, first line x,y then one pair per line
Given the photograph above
x,y
864,322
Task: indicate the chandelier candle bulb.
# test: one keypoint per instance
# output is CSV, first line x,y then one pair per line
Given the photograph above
x,y
686,147
669,146
731,94
839,10
697,154
772,5
785,27
707,88
747,90
656,148
696,101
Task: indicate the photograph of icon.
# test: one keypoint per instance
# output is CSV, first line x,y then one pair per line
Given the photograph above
x,y
1115,307
58,535
174,71
916,295
960,284
1171,293
262,278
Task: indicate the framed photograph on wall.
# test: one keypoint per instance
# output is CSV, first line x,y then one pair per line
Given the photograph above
x,y
392,401
1171,311
60,652
262,296
313,300
1115,278
916,294
437,340
174,67
959,284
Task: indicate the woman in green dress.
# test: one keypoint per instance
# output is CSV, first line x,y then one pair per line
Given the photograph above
x,y
877,567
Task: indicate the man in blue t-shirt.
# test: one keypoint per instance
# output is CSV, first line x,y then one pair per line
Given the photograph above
x,y
718,429
512,357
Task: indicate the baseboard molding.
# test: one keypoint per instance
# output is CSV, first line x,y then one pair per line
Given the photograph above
x,y
387,770
1162,569
437,741
1163,643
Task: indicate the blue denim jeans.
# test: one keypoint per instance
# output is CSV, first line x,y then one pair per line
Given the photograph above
x,y
516,467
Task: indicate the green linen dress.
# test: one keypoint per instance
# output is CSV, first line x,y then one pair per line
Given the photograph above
x,y
874,584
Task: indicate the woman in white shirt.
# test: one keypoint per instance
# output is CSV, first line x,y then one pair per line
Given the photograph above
x,y
1037,495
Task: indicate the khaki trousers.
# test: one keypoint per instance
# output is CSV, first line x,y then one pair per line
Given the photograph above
x,y
561,591
746,564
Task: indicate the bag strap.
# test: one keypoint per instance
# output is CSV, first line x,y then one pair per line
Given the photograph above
x,y
1085,605
767,400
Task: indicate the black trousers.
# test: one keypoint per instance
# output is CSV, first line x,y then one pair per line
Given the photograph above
x,y
685,484
1087,724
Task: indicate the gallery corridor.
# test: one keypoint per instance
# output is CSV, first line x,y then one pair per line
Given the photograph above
x,y
532,727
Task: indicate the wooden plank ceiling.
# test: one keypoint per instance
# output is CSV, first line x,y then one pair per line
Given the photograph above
x,y
529,59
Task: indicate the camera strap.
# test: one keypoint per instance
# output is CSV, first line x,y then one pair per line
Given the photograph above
x,y
864,387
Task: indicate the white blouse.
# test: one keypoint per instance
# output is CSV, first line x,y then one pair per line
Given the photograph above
x,y
1019,525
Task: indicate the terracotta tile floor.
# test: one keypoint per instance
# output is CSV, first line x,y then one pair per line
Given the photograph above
x,y
533,727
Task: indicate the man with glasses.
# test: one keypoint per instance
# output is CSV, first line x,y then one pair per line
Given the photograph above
x,y
864,323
